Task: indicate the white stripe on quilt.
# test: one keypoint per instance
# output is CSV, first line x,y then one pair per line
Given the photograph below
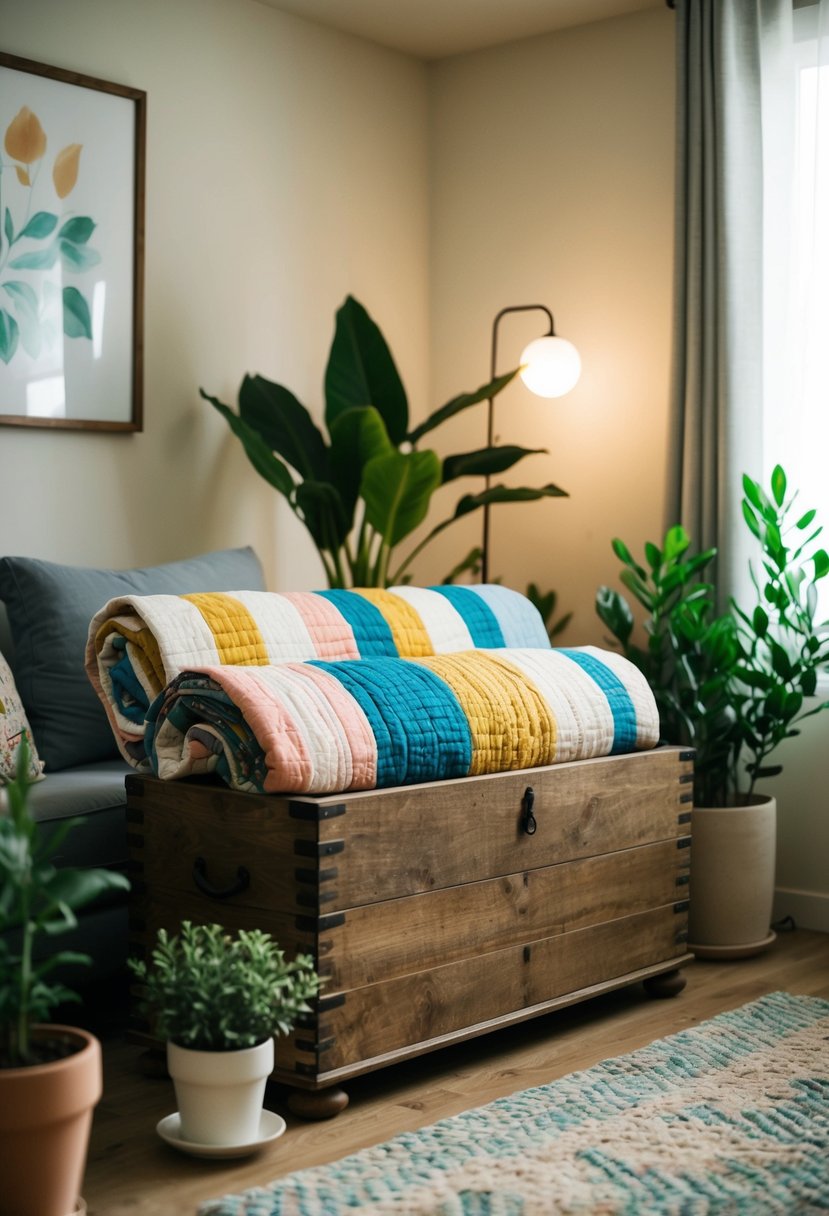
x,y
584,719
447,629
184,638
638,689
520,621
280,625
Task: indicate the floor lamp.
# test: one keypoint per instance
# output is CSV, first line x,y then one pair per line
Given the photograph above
x,y
550,367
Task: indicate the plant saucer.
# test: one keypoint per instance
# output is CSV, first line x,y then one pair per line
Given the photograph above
x,y
271,1127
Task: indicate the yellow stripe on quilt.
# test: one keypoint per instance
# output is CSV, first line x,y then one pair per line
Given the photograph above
x,y
406,624
234,629
511,723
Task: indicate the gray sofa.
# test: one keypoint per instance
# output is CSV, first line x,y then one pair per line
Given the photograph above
x,y
45,610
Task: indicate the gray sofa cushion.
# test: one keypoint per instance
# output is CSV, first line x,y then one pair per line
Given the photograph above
x,y
95,791
49,609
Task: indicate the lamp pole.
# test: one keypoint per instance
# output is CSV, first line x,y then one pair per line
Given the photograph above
x,y
491,410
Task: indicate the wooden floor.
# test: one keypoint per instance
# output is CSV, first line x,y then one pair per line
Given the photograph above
x,y
131,1172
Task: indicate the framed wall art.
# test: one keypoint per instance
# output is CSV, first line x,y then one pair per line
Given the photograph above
x,y
72,156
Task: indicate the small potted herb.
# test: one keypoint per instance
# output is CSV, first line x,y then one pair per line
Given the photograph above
x,y
218,1001
50,1075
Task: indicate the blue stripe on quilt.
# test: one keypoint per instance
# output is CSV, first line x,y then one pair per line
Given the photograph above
x,y
421,731
618,698
372,633
480,619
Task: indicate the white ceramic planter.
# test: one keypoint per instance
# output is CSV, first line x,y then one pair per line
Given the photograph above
x,y
220,1093
732,879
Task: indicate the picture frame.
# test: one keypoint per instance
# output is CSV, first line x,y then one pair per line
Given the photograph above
x,y
72,173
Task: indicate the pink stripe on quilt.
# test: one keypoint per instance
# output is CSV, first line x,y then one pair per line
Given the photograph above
x,y
330,631
354,723
281,738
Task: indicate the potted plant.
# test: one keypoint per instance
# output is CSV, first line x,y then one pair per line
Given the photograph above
x,y
364,489
50,1075
732,685
218,1001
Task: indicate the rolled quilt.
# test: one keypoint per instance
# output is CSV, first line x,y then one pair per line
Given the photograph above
x,y
324,727
138,644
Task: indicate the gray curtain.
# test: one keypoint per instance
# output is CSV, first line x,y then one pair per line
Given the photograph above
x,y
723,49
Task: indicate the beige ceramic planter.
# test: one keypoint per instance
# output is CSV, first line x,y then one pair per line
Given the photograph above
x,y
732,879
45,1119
220,1093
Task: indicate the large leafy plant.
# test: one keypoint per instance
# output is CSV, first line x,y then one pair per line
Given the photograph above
x,y
363,489
731,684
36,898
209,991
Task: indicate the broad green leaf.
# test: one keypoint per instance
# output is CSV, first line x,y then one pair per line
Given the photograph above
x,y
821,560
760,621
677,541
614,610
753,493
397,489
42,259
805,520
78,230
257,451
357,436
485,461
77,322
285,425
42,224
8,227
74,889
323,513
778,484
77,257
751,519
462,402
653,555
361,371
496,494
9,334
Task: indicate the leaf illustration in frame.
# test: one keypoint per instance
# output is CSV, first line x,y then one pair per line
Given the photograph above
x,y
77,322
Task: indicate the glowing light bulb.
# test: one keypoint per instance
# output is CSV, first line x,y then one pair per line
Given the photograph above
x,y
550,366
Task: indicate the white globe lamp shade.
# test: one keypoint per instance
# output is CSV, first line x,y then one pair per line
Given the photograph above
x,y
550,366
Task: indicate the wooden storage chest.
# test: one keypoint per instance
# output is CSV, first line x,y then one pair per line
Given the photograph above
x,y
435,912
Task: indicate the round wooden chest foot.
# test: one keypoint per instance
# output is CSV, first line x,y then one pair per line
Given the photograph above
x,y
670,983
317,1103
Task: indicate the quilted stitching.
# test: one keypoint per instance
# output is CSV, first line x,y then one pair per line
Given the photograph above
x,y
324,727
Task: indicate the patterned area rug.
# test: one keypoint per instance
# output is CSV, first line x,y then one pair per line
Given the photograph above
x,y
731,1116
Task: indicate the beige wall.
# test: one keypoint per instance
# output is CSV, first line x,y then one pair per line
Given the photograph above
x,y
286,167
552,183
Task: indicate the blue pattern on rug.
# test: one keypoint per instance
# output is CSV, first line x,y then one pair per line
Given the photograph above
x,y
728,1117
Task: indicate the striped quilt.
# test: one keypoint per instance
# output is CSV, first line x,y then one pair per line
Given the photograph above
x,y
323,726
138,644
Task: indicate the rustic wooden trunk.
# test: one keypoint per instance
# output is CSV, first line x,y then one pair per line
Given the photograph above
x,y
435,912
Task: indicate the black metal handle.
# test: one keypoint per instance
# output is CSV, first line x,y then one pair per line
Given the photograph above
x,y
528,822
240,883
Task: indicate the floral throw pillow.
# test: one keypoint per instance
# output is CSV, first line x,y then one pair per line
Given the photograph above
x,y
13,724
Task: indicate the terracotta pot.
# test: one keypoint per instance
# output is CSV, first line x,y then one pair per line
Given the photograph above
x,y
220,1093
732,878
45,1119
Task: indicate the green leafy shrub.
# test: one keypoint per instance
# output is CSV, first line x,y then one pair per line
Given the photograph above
x,y
212,992
36,898
364,489
731,684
